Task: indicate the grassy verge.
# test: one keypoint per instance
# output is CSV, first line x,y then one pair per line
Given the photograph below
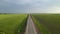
x,y
51,22
40,26
12,23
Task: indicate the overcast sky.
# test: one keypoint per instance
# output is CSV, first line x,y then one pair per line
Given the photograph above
x,y
29,6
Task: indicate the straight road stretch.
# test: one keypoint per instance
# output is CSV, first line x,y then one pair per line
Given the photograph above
x,y
30,29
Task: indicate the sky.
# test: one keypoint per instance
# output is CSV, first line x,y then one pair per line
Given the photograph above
x,y
29,6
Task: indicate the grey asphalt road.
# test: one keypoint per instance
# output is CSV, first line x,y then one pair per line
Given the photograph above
x,y
30,29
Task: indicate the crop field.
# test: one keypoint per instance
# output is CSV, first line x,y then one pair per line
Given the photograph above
x,y
12,23
47,23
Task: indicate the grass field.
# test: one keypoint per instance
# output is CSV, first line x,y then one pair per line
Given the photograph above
x,y
12,23
47,23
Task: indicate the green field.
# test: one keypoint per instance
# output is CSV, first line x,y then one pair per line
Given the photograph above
x,y
47,23
12,23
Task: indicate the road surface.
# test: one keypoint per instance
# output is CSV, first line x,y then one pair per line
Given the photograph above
x,y
30,29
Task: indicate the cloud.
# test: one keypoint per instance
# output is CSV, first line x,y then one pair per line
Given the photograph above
x,y
32,6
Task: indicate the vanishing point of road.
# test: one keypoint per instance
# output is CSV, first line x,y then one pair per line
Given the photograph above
x,y
30,29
